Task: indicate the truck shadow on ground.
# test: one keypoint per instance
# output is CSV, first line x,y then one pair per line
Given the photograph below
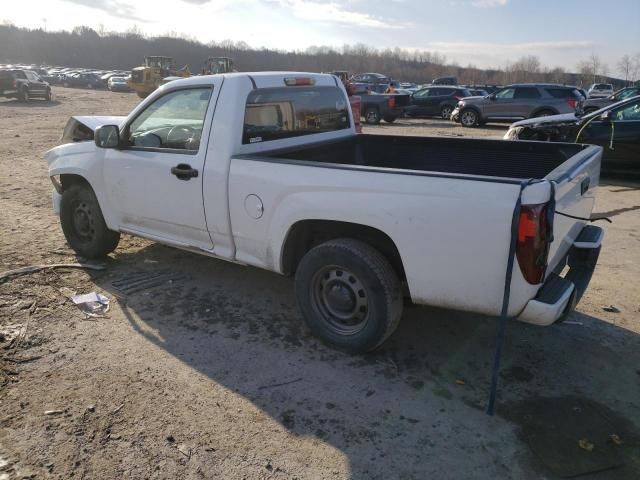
x,y
30,104
415,407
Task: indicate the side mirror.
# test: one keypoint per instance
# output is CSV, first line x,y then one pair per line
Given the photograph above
x,y
606,116
107,136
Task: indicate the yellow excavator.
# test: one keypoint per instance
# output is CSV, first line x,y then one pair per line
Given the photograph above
x,y
155,71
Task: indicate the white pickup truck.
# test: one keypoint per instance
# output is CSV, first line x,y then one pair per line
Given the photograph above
x,y
266,169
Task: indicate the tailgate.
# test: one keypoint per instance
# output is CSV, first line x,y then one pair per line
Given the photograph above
x,y
575,182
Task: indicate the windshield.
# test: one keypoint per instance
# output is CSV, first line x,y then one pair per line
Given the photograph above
x,y
602,110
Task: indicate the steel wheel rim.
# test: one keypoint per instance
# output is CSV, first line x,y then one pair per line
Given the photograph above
x,y
371,116
446,112
83,221
340,299
468,118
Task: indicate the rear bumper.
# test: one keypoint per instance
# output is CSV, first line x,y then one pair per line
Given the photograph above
x,y
559,295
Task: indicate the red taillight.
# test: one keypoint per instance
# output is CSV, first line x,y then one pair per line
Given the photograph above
x,y
298,81
356,102
15,84
391,102
533,242
572,102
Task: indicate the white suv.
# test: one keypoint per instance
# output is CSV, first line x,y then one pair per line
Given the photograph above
x,y
600,90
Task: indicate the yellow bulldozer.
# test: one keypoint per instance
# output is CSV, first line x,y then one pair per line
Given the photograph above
x,y
155,71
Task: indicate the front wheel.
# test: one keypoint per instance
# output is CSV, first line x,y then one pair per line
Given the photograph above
x,y
23,96
349,294
468,118
372,116
83,224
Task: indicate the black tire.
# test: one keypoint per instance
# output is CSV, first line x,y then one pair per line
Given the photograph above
x,y
469,118
23,95
83,224
349,294
372,116
446,111
543,113
390,118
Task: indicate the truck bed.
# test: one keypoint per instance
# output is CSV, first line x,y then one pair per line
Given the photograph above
x,y
491,158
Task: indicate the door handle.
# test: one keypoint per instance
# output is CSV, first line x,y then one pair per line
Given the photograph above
x,y
184,171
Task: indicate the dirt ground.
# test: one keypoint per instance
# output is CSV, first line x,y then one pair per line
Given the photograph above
x,y
214,375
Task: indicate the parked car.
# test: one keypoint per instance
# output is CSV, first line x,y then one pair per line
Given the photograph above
x,y
84,80
436,101
615,127
593,104
600,90
445,81
290,187
23,85
515,102
377,82
118,84
379,106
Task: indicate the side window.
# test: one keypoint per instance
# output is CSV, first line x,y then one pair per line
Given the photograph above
x,y
629,113
422,93
507,93
20,74
437,92
527,92
31,76
173,121
284,112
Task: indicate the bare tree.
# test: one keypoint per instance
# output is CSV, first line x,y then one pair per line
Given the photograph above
x,y
625,66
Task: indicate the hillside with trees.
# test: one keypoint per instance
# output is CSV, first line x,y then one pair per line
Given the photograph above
x,y
85,47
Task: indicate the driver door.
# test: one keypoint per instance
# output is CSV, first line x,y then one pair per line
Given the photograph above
x,y
155,180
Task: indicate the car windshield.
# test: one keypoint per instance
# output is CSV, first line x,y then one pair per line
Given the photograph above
x,y
602,110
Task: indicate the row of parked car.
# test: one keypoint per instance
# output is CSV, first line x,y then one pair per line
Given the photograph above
x,y
114,80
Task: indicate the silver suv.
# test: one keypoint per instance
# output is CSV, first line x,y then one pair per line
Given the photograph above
x,y
517,102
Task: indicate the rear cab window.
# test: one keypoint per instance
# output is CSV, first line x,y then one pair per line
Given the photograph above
x,y
285,112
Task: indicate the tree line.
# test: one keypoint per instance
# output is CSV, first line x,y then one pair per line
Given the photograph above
x,y
86,47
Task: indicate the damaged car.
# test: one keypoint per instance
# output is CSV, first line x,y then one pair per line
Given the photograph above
x,y
615,127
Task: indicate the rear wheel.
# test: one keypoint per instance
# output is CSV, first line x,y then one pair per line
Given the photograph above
x,y
349,294
543,113
446,112
468,118
390,119
83,224
372,116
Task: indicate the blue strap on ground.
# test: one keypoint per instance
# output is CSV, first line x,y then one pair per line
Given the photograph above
x,y
502,322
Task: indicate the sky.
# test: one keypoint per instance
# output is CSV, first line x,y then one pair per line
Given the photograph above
x,y
484,33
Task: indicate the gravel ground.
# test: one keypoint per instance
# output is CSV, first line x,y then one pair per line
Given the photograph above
x,y
214,374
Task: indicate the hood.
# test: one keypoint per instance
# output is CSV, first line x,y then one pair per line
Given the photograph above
x,y
551,119
94,122
80,128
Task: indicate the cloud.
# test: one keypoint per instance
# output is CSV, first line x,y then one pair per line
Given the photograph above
x,y
489,3
114,8
197,2
333,12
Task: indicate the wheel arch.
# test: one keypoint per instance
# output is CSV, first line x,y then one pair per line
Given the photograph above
x,y
303,235
537,112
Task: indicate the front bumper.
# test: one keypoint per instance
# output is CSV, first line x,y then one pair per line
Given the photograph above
x,y
560,295
55,201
